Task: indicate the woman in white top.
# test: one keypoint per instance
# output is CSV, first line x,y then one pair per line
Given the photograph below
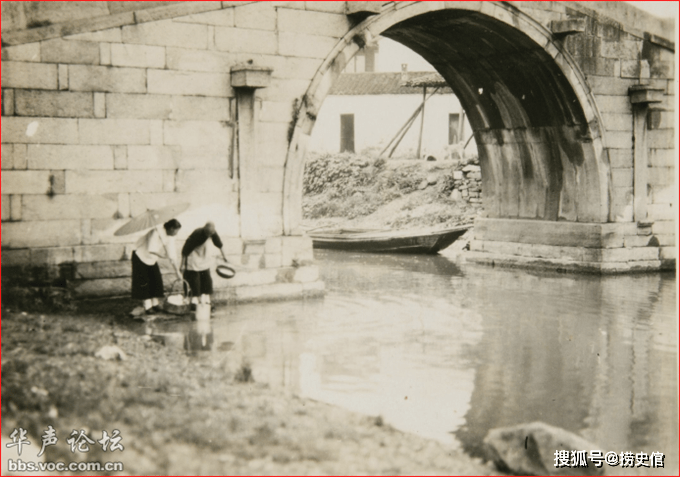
x,y
147,281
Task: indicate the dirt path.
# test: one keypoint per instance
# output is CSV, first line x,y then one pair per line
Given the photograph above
x,y
186,415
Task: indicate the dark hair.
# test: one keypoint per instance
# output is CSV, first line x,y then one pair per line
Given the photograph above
x,y
172,224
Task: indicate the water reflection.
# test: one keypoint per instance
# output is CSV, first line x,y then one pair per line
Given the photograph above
x,y
449,352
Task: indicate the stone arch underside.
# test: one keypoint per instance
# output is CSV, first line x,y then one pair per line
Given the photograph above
x,y
539,141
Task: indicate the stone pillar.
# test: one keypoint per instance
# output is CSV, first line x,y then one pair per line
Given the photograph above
x,y
641,96
245,79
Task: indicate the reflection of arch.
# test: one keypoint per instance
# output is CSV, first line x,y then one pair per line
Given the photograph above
x,y
537,127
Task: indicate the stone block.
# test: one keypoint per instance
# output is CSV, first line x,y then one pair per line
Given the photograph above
x,y
661,212
51,256
630,254
661,227
110,35
105,54
213,134
138,56
661,176
187,108
156,132
622,177
256,16
99,105
167,33
12,258
620,139
620,158
199,60
114,131
614,104
29,52
15,207
273,245
668,253
153,157
62,51
250,76
631,241
329,7
172,11
297,68
223,17
63,207
307,46
136,106
8,102
111,269
25,182
28,75
107,182
206,181
189,83
49,233
313,23
273,260
101,287
107,79
7,157
238,40
54,104
254,278
198,158
40,131
661,139
598,66
62,80
623,49
119,157
617,122
6,210
666,240
100,253
306,274
601,85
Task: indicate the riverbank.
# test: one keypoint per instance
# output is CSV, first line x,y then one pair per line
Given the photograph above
x,y
363,192
182,413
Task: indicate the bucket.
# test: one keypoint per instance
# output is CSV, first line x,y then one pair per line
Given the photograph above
x,y
202,311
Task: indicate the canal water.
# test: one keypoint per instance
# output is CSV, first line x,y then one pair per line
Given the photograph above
x,y
448,351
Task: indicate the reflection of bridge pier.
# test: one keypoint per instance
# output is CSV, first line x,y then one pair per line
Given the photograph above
x,y
596,370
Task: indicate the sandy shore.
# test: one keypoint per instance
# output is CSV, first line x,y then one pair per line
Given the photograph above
x,y
182,414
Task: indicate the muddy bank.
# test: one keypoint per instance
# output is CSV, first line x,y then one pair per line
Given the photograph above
x,y
365,192
183,413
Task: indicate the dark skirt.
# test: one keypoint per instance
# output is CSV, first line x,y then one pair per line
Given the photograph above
x,y
147,281
200,282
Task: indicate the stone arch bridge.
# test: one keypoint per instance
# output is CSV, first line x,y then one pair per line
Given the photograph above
x,y
109,108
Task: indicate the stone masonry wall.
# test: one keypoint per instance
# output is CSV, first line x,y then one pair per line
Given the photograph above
x,y
97,127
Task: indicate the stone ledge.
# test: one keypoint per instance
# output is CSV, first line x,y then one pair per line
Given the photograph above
x,y
597,268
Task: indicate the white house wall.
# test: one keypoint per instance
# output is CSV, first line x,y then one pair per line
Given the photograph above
x,y
377,118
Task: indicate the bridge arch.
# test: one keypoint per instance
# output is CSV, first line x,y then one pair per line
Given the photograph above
x,y
537,127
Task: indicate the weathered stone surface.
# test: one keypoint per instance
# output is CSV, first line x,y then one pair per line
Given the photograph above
x,y
25,182
28,52
259,16
210,134
529,449
111,35
307,46
61,207
237,40
54,104
114,131
62,51
50,233
109,269
208,61
107,79
102,287
189,83
139,56
153,157
28,75
167,33
313,23
106,182
51,256
100,253
6,211
220,18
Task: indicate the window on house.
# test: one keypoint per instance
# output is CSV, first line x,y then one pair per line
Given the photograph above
x,y
346,133
454,123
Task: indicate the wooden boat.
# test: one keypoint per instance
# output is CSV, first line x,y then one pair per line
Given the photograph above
x,y
362,240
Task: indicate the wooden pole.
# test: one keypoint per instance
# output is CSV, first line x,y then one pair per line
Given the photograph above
x,y
422,121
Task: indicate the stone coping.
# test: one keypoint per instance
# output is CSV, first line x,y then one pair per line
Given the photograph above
x,y
104,22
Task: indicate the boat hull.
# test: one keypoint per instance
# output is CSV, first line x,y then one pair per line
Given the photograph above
x,y
387,242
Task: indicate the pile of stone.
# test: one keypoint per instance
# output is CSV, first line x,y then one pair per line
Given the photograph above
x,y
467,184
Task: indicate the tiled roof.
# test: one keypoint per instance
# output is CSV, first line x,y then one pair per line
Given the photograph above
x,y
355,84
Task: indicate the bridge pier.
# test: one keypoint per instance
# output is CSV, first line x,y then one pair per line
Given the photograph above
x,y
567,246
